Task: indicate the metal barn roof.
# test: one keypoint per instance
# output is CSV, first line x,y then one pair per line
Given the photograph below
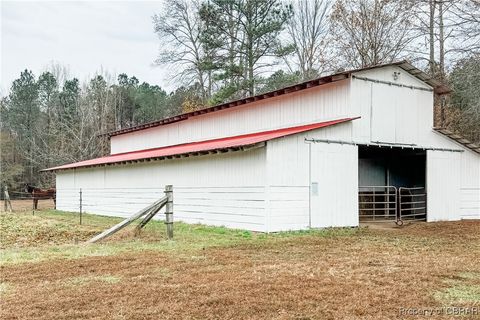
x,y
459,139
241,142
405,65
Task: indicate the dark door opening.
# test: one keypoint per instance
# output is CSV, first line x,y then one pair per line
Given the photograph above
x,y
391,184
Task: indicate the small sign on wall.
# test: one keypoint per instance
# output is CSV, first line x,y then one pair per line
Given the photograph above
x,y
314,188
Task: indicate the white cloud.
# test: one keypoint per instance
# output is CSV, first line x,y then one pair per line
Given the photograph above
x,y
88,36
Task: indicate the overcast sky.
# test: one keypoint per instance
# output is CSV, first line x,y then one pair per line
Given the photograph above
x,y
85,36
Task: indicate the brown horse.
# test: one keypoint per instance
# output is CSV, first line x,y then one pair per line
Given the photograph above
x,y
41,194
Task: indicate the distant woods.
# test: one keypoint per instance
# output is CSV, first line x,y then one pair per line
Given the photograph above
x,y
45,123
221,50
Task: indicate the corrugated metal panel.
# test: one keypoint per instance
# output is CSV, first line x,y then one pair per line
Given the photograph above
x,y
195,147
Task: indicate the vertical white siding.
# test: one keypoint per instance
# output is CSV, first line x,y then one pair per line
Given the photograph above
x,y
470,186
288,208
470,203
402,115
443,185
390,113
288,181
467,164
334,170
234,207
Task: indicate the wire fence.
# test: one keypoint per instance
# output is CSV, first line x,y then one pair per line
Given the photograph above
x,y
18,195
229,205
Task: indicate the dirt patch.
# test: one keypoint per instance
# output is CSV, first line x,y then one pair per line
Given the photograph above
x,y
369,275
27,205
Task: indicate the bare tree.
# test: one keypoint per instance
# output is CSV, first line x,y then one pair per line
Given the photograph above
x,y
449,28
179,29
370,32
308,30
451,31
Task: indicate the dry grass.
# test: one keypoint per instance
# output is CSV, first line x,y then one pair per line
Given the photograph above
x,y
344,274
22,229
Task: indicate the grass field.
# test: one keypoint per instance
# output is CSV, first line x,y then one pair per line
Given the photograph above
x,y
47,272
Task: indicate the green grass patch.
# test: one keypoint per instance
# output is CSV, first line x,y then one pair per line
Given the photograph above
x,y
48,227
465,288
4,289
52,234
470,275
459,294
83,280
164,272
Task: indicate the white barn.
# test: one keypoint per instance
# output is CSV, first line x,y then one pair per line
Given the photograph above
x,y
356,145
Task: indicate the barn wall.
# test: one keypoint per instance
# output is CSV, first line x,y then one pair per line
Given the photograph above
x,y
222,190
265,189
443,185
288,181
456,174
334,178
288,184
391,114
326,102
470,186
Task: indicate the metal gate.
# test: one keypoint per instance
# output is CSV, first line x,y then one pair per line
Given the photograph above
x,y
377,203
389,204
412,204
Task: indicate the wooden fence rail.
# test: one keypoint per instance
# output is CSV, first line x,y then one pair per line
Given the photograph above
x,y
148,213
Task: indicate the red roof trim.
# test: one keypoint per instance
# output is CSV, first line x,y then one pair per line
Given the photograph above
x,y
235,142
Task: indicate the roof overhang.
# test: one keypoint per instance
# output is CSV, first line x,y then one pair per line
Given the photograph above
x,y
459,139
437,86
228,144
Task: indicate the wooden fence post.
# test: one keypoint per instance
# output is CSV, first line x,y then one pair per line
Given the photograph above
x,y
33,204
169,211
80,205
5,198
6,201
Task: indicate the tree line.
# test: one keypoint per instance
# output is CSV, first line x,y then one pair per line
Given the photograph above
x,y
221,50
45,123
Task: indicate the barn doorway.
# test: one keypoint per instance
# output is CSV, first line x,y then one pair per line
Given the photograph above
x,y
391,184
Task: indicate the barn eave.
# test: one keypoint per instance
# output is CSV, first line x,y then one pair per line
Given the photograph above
x,y
243,142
